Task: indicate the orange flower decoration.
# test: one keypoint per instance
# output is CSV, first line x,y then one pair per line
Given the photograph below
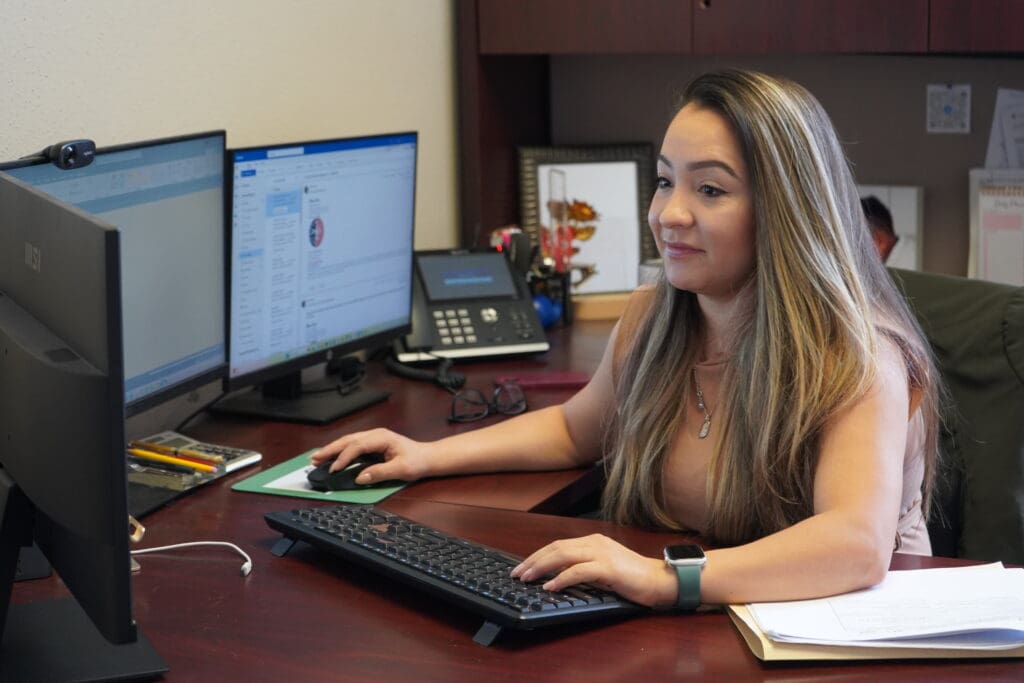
x,y
583,232
572,221
581,211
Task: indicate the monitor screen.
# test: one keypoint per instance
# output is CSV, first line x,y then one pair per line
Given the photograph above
x,y
167,199
466,276
62,458
320,254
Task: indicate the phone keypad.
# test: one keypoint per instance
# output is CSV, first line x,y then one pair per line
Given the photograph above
x,y
456,326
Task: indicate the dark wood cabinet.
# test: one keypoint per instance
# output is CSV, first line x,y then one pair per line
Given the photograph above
x,y
989,26
755,27
502,103
584,27
505,48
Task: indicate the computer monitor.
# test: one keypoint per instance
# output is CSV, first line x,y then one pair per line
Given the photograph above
x,y
321,259
168,200
62,458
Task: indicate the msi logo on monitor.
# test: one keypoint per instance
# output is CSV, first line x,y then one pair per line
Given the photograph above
x,y
33,257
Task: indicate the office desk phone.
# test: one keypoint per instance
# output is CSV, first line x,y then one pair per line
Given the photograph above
x,y
470,304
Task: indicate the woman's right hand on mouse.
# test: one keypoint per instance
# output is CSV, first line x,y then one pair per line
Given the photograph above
x,y
404,458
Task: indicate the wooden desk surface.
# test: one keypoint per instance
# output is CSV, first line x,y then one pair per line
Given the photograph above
x,y
420,410
310,617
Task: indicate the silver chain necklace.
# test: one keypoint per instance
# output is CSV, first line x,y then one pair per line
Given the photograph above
x,y
705,426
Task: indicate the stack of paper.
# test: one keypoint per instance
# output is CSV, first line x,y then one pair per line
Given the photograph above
x,y
972,611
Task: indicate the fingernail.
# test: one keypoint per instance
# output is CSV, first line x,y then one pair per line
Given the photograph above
x,y
515,570
364,478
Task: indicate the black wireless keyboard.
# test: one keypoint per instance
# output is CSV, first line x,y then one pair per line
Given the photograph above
x,y
462,572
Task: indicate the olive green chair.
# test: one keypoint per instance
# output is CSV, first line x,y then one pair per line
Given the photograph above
x,y
976,329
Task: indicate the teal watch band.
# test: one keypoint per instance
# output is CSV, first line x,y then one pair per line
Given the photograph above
x,y
689,586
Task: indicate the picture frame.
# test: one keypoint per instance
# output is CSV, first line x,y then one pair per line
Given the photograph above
x,y
617,181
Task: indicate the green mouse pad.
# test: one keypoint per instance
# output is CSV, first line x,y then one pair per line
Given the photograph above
x,y
289,479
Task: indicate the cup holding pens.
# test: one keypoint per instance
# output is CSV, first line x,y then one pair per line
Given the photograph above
x,y
552,297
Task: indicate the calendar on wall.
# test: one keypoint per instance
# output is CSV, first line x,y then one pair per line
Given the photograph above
x,y
997,225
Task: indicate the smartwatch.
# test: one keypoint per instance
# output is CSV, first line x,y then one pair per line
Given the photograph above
x,y
687,561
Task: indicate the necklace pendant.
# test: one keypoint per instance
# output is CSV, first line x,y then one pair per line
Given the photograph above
x,y
704,428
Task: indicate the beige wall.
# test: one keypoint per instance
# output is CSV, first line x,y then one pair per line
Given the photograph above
x,y
265,70
877,104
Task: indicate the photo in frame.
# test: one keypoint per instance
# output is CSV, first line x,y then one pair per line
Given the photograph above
x,y
602,194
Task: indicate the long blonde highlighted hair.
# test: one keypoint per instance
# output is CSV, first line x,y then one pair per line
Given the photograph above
x,y
819,299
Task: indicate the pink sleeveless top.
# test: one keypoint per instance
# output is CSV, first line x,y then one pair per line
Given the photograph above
x,y
686,468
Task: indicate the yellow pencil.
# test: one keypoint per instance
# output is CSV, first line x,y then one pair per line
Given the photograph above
x,y
152,447
171,460
168,450
199,454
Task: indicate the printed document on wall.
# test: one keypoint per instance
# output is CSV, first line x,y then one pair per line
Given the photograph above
x,y
1006,137
997,225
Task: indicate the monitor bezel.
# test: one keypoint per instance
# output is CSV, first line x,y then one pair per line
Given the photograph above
x,y
172,391
278,370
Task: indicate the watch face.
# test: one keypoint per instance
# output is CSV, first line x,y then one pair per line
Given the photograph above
x,y
676,553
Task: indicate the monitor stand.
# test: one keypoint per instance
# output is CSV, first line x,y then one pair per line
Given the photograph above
x,y
288,400
54,640
30,653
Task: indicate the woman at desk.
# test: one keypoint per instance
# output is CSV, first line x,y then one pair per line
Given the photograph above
x,y
771,392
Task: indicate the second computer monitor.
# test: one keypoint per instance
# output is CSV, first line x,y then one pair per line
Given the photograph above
x,y
166,197
321,263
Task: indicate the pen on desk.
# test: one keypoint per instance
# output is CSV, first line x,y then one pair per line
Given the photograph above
x,y
171,460
168,450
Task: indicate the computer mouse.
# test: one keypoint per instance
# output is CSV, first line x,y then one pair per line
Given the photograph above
x,y
345,479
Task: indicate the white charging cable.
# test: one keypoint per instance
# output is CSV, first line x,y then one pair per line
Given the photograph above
x,y
246,566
